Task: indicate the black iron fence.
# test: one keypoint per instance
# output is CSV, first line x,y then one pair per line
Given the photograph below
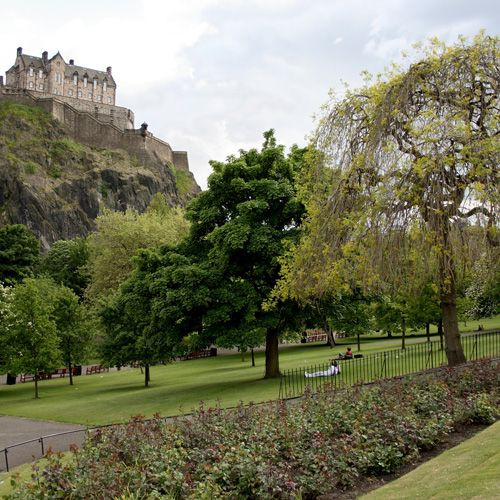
x,y
415,358
387,364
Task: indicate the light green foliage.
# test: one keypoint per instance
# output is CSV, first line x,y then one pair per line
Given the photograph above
x,y
30,343
399,168
19,253
118,237
74,331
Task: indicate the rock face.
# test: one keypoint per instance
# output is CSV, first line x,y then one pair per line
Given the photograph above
x,y
57,186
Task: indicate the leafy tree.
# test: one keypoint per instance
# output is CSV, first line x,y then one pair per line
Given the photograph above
x,y
66,264
30,342
119,235
130,332
212,287
409,159
73,331
240,226
19,253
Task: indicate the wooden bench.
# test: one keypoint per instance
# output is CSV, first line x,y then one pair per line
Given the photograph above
x,y
90,370
205,353
319,337
28,377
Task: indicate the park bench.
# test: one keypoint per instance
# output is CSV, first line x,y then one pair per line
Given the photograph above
x,y
28,377
90,370
61,372
204,353
318,337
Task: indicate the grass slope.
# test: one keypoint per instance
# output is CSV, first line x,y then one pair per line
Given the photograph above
x,y
175,388
469,470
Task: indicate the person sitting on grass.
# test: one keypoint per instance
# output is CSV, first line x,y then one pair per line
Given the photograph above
x,y
333,370
348,354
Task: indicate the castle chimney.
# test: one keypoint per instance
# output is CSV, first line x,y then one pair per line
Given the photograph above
x,y
108,70
45,56
71,62
19,51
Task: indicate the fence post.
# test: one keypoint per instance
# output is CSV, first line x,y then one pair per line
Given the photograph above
x,y
6,459
475,345
41,442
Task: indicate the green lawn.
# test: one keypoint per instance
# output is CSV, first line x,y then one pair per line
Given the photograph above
x,y
175,388
469,470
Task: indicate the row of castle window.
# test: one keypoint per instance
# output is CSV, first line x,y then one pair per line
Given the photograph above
x,y
59,79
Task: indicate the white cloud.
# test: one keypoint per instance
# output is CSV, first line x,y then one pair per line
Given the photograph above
x,y
210,76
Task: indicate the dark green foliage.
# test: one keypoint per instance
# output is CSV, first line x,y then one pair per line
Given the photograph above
x,y
319,445
19,253
213,286
66,264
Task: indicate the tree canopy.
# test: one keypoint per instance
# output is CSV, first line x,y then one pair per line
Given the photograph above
x,y
402,167
19,253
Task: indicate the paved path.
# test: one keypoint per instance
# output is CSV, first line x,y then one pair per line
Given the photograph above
x,y
14,430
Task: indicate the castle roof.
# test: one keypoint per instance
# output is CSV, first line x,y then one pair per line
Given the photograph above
x,y
70,69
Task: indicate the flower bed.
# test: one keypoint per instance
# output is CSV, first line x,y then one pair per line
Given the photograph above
x,y
321,443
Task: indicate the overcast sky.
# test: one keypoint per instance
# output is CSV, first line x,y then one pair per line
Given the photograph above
x,y
210,76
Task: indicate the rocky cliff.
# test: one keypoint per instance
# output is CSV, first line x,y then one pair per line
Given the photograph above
x,y
57,186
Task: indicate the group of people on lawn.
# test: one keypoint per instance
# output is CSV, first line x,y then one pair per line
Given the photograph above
x,y
334,368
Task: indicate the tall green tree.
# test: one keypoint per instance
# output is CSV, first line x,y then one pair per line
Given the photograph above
x,y
19,253
240,226
66,263
74,333
30,342
411,159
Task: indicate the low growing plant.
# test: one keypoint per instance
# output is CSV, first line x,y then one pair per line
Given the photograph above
x,y
297,449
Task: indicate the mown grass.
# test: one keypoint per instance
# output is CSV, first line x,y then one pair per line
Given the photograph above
x,y
469,470
175,388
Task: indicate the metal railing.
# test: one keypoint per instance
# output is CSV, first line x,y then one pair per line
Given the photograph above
x,y
387,364
373,367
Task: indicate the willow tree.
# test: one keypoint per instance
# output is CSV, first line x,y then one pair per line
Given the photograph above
x,y
402,166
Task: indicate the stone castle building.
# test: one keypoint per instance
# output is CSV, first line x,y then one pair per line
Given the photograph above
x,y
84,101
83,88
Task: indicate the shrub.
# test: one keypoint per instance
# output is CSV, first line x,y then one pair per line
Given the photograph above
x,y
285,450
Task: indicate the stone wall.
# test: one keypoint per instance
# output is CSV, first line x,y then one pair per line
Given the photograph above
x,y
90,130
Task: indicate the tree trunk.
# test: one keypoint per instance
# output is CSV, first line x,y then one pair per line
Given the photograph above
x,y
272,356
329,334
359,342
146,375
253,357
440,333
453,344
36,385
403,333
70,370
69,362
242,355
428,331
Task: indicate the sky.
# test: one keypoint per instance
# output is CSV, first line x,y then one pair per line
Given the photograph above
x,y
210,76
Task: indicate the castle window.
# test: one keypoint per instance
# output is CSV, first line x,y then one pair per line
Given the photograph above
x,y
79,93
75,79
99,98
109,100
95,83
55,91
90,95
31,85
85,81
31,71
40,86
40,73
70,92
104,86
